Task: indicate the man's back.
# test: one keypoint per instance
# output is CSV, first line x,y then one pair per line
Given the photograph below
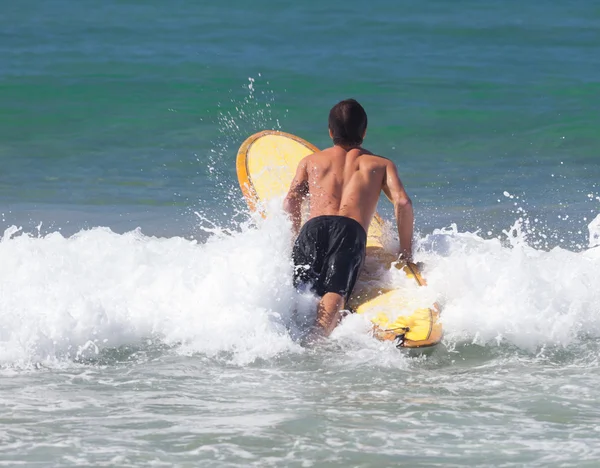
x,y
345,183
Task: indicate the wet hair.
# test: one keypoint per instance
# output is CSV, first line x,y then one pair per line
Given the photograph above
x,y
347,122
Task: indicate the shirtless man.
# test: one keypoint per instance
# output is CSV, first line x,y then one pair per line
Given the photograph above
x,y
342,184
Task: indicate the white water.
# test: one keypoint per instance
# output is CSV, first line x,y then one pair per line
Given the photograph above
x,y
67,298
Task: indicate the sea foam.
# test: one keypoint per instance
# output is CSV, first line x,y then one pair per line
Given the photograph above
x,y
68,298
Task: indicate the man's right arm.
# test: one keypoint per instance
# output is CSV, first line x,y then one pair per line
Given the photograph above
x,y
394,190
292,203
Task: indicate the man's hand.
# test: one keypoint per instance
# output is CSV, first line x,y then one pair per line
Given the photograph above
x,y
404,257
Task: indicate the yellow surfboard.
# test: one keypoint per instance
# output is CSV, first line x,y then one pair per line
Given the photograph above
x,y
266,164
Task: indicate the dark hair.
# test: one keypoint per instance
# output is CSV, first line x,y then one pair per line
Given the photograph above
x,y
347,122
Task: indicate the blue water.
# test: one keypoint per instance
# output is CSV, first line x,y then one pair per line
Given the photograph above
x,y
119,115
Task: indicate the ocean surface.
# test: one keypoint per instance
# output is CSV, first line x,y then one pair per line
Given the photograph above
x,y
146,316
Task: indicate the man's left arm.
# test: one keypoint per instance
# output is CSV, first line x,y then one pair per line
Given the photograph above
x,y
296,195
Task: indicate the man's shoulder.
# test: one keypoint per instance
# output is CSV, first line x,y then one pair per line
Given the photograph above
x,y
316,154
319,157
330,150
376,158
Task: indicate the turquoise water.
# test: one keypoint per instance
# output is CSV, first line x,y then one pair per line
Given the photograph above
x,y
121,103
168,344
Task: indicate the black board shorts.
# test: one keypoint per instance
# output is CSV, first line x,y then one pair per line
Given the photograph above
x,y
328,255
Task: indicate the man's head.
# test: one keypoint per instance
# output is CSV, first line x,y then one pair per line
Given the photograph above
x,y
347,123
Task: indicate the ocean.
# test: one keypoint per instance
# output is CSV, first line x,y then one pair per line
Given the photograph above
x,y
145,314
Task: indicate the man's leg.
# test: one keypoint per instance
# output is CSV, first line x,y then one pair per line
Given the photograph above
x,y
328,312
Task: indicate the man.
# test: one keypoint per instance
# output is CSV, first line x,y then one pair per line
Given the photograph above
x,y
342,185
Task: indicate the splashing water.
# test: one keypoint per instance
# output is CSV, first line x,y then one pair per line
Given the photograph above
x,y
252,114
594,230
65,298
236,120
512,295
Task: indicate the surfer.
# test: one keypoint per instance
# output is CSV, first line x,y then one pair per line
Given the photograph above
x,y
342,185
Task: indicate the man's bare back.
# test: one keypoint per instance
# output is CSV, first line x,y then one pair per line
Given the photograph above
x,y
348,183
